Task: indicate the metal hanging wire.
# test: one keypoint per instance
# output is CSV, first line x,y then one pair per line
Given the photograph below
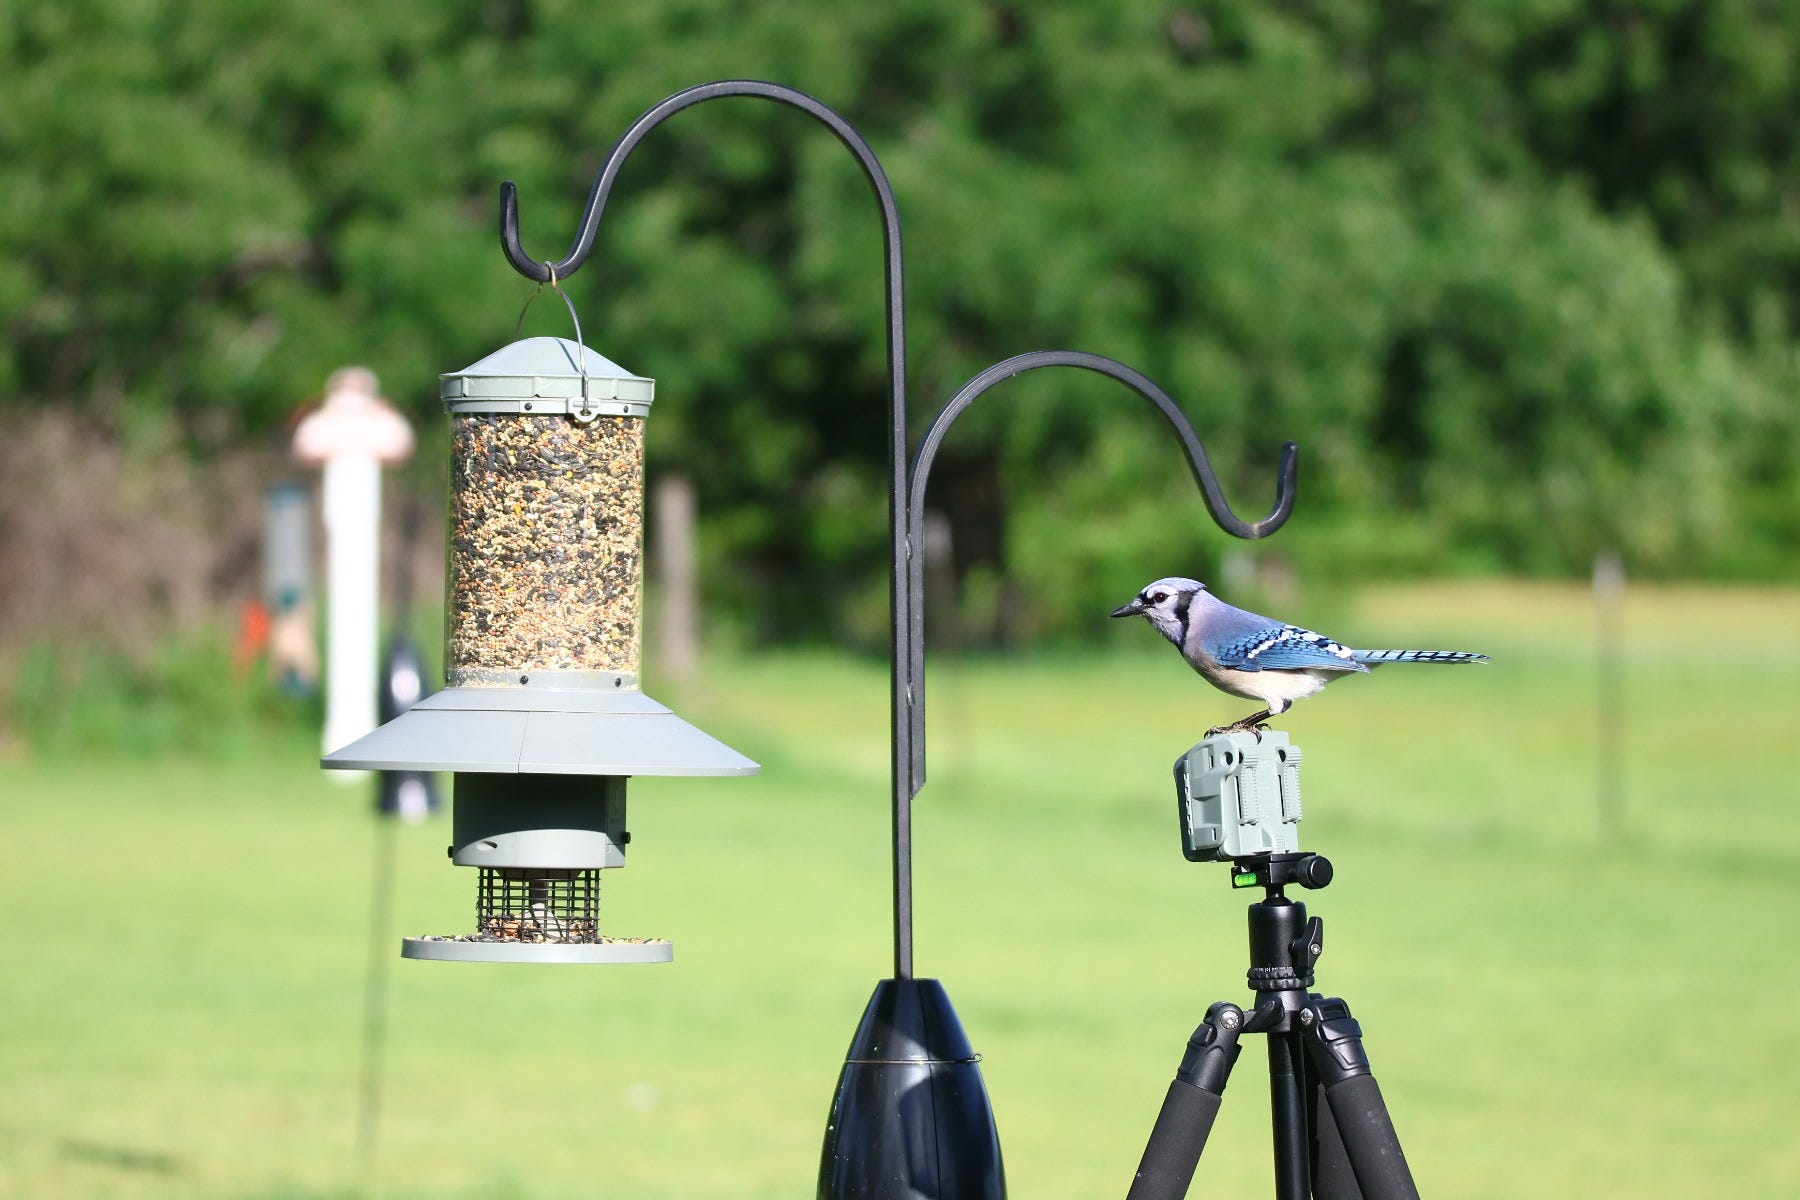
x,y
585,412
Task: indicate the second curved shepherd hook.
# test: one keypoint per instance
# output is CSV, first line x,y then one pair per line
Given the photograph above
x,y
920,475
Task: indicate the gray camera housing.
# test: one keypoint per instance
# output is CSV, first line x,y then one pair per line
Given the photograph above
x,y
1239,796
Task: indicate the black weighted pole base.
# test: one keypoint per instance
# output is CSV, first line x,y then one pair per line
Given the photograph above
x,y
911,1117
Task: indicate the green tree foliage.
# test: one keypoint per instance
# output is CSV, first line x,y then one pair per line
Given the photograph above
x,y
1522,279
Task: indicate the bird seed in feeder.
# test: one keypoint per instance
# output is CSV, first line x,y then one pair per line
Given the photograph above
x,y
546,546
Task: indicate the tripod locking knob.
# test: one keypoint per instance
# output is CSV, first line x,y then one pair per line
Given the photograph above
x,y
1309,946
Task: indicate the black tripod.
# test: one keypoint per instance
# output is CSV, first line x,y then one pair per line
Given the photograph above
x,y
1342,1149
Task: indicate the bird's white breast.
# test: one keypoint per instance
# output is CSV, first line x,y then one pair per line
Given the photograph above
x,y
1277,689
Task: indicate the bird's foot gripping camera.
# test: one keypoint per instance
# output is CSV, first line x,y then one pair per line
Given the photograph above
x,y
1238,796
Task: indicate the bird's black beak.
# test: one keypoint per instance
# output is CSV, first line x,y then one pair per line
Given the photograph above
x,y
1129,610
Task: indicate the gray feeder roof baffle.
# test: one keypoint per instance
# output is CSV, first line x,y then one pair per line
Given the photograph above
x,y
540,731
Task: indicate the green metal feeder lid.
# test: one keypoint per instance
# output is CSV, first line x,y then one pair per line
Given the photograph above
x,y
548,375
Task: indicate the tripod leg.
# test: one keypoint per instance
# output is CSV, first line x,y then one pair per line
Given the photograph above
x,y
1335,1050
1189,1108
1287,1106
1333,1178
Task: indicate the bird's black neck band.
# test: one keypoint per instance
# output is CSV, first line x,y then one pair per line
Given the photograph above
x,y
1181,610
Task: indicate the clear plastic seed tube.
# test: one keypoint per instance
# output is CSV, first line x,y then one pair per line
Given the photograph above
x,y
546,549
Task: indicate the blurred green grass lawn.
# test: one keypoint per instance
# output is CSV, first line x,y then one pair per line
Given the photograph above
x,y
1550,1014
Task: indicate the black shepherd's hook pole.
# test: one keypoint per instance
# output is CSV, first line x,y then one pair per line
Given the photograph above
x,y
906,492
1191,446
870,1137
900,594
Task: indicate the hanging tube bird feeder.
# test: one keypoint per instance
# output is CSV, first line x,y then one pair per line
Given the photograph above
x,y
542,719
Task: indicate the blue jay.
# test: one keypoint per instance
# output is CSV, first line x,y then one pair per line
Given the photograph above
x,y
1254,657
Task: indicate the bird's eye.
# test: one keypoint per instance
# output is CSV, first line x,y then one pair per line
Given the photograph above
x,y
1159,597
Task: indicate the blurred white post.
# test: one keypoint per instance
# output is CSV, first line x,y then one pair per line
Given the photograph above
x,y
353,434
678,591
1609,596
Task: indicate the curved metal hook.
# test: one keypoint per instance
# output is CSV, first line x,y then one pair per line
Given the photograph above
x,y
608,174
920,474
1198,463
900,596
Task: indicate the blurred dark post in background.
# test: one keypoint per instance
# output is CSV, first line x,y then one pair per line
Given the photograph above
x,y
287,587
678,579
1609,603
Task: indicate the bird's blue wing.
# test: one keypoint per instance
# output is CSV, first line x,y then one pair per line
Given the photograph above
x,y
1285,648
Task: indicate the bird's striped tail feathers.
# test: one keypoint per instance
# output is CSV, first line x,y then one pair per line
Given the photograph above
x,y
1374,658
